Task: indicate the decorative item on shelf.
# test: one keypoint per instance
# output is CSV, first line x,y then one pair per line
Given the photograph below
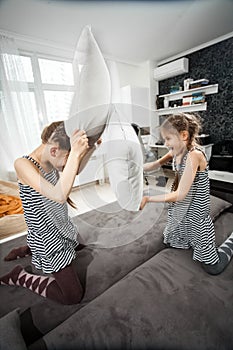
x,y
176,103
159,102
198,97
198,83
166,102
186,83
175,88
187,100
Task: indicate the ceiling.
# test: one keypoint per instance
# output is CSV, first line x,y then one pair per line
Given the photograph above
x,y
129,31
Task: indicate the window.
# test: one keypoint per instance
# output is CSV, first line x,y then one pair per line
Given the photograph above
x,y
18,102
18,68
57,104
35,90
45,85
56,72
57,83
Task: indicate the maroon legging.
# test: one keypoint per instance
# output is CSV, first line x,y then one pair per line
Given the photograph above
x,y
64,287
23,251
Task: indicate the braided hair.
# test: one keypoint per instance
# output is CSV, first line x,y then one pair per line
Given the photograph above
x,y
183,122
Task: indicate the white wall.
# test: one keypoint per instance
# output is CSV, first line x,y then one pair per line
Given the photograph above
x,y
134,75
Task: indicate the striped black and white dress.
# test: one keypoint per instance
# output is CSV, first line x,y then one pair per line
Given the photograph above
x,y
189,223
52,236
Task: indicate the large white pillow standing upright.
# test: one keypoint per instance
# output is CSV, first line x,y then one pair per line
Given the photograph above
x,y
92,97
123,160
92,111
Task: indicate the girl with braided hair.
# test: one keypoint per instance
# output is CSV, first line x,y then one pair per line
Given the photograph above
x,y
45,179
189,223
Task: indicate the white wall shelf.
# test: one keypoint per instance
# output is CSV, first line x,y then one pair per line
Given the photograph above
x,y
193,107
208,89
189,108
157,146
221,176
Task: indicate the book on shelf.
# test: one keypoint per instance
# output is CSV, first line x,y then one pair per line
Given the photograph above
x,y
194,98
198,97
198,83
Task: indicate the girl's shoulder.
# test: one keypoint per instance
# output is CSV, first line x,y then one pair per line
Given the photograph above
x,y
19,162
198,157
197,151
26,161
26,167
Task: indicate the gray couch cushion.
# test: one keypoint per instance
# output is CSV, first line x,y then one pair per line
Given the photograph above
x,y
218,206
99,265
223,227
168,302
117,242
11,336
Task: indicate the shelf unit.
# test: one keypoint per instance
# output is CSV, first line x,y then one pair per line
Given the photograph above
x,y
221,185
208,89
221,176
189,108
157,146
155,118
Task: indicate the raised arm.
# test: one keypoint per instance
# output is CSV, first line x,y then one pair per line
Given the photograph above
x,y
28,174
192,164
158,163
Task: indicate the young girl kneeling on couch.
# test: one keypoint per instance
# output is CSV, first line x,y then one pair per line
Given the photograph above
x,y
189,223
52,236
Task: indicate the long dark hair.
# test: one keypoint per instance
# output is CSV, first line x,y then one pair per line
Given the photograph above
x,y
183,122
55,132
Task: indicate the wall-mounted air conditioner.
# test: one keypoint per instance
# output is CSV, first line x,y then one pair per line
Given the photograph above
x,y
172,69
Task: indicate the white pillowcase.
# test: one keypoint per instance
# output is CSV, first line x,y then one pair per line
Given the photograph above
x,y
90,111
90,105
123,160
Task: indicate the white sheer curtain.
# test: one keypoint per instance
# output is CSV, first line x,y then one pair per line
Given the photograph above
x,y
19,126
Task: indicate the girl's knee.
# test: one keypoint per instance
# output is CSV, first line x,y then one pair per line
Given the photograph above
x,y
73,294
217,268
212,269
73,298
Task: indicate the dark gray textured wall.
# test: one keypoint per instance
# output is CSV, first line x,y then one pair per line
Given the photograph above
x,y
214,63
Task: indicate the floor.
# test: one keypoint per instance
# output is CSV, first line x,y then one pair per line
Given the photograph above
x,y
86,198
93,196
90,197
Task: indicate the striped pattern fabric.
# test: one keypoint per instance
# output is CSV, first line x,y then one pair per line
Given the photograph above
x,y
52,236
189,223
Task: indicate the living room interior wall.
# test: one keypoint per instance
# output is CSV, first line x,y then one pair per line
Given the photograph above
x,y
132,74
214,63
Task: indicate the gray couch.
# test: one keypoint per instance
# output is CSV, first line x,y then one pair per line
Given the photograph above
x,y
138,294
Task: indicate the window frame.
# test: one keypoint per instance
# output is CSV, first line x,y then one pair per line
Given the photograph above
x,y
38,87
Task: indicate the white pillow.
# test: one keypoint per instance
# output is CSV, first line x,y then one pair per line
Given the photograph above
x,y
90,105
90,111
123,160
